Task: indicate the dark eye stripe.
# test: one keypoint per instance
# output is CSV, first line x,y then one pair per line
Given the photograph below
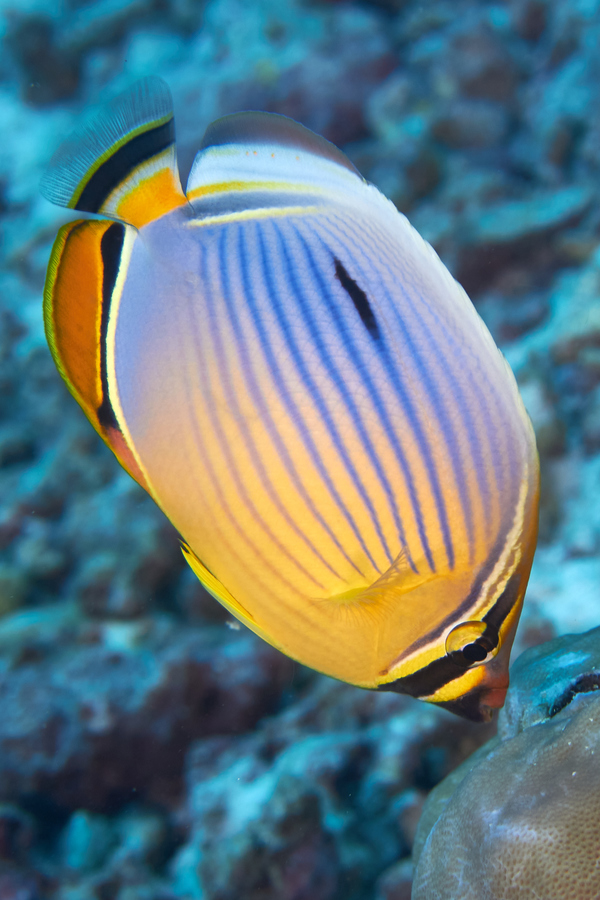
x,y
431,678
505,602
359,298
425,682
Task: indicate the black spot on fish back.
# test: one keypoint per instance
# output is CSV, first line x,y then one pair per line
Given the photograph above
x,y
359,298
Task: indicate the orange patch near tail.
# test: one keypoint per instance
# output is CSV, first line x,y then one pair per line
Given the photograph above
x,y
73,300
73,308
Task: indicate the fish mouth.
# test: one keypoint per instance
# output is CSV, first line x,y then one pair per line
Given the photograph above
x,y
478,705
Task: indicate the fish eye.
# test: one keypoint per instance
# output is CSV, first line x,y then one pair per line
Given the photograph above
x,y
472,643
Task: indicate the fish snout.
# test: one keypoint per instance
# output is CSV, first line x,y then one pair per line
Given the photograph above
x,y
489,691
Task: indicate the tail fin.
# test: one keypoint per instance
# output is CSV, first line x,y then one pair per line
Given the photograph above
x,y
122,161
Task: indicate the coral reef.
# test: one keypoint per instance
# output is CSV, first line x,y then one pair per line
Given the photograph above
x,y
147,750
519,818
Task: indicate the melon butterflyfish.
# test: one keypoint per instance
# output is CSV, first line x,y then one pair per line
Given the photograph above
x,y
293,375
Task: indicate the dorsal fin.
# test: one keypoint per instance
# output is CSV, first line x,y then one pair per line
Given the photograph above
x,y
121,162
257,149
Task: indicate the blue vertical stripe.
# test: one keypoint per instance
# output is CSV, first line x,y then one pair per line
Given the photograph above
x,y
233,402
354,353
201,447
275,369
305,309
483,389
226,262
412,346
215,422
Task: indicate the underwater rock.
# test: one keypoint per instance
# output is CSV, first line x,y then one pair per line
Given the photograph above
x,y
87,841
49,50
388,105
470,124
114,708
18,884
590,425
547,678
548,427
515,237
474,63
559,103
276,835
48,73
17,833
522,219
71,524
530,18
317,802
76,535
143,836
328,89
12,589
396,882
521,815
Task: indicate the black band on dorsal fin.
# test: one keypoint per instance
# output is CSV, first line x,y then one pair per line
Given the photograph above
x,y
124,146
116,168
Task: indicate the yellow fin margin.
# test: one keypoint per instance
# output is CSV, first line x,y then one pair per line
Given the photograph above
x,y
218,590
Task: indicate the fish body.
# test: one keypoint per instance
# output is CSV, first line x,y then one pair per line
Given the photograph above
x,y
290,371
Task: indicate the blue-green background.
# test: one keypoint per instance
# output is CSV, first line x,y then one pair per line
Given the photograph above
x,y
149,748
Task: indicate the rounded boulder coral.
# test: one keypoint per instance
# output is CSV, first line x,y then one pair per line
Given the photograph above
x,y
519,820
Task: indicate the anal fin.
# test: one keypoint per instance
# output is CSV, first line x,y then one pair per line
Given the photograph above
x,y
122,162
218,590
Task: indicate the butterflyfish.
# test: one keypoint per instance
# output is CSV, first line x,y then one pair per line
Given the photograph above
x,y
293,375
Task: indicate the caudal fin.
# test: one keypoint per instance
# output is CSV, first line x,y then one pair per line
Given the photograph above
x,y
121,162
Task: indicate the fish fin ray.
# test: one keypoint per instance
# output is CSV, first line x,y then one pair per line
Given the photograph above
x,y
121,162
399,579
